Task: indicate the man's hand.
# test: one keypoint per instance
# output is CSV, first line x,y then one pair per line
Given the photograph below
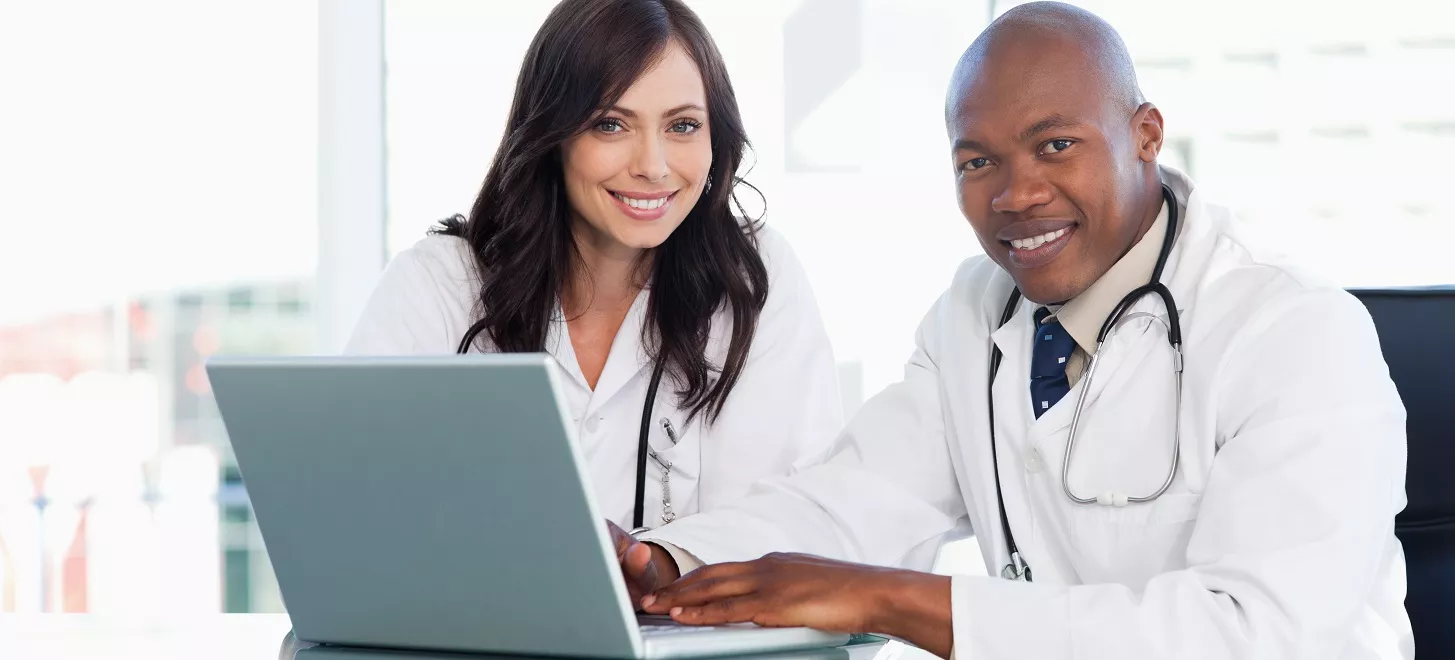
x,y
783,590
644,566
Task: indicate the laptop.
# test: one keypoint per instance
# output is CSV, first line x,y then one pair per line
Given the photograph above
x,y
441,503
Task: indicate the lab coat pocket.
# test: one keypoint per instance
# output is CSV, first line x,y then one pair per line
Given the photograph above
x,y
1132,543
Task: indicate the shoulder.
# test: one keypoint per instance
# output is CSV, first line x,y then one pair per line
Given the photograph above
x,y
1262,285
423,301
778,255
1262,312
790,312
445,258
788,282
975,297
440,267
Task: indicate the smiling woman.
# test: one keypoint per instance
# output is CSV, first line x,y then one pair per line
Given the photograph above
x,y
607,234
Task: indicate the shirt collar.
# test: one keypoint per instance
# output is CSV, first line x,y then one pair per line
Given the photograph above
x,y
1083,315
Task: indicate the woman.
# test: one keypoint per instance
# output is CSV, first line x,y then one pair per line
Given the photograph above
x,y
605,235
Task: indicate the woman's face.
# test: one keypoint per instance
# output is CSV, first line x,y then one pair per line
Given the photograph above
x,y
632,177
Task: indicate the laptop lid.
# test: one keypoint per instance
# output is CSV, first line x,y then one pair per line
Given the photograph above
x,y
426,503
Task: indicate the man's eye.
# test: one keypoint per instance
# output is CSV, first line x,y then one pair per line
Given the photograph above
x,y
1056,146
975,164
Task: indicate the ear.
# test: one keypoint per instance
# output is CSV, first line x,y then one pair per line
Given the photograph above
x,y
1147,131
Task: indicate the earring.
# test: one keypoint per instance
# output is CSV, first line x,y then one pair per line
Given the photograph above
x,y
708,187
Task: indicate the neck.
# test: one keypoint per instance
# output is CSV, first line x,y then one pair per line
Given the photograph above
x,y
1148,210
608,276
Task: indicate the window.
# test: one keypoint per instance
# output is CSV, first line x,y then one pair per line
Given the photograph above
x,y
157,193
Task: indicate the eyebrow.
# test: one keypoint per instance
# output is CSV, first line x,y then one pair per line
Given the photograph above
x,y
1046,124
681,108
969,145
1053,121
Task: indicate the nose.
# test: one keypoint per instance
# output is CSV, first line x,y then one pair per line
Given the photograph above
x,y
650,161
1023,191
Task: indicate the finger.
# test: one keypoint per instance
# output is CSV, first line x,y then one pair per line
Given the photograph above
x,y
701,592
711,572
738,609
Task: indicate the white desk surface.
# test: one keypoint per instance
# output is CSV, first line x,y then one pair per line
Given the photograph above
x,y
204,636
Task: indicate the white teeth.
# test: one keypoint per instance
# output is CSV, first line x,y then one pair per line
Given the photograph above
x,y
643,204
1037,241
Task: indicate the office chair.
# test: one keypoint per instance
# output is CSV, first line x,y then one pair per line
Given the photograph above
x,y
1417,332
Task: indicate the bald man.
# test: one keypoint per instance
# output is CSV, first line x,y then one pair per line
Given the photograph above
x,y
1238,454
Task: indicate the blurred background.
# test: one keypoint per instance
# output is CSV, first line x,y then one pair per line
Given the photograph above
x,y
188,178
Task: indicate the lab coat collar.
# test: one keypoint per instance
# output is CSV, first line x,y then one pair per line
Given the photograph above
x,y
1186,266
558,344
627,357
1083,315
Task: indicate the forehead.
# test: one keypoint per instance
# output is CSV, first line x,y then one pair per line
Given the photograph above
x,y
671,81
1006,91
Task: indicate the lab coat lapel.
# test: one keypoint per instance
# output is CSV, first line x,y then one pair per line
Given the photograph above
x,y
1013,419
558,345
627,359
1012,382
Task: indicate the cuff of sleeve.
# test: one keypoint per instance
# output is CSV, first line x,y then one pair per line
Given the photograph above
x,y
959,618
686,561
989,614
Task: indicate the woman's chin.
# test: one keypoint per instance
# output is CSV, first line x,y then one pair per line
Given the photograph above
x,y
645,237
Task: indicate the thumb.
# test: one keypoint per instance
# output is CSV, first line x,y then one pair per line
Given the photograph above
x,y
640,565
620,540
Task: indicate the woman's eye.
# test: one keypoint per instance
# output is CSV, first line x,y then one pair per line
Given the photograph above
x,y
686,126
610,126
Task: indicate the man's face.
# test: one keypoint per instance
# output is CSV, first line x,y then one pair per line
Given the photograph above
x,y
1049,168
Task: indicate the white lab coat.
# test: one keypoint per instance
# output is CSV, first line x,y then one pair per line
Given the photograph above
x,y
1275,540
784,411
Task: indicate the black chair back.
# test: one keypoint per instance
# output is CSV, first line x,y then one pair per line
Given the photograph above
x,y
1417,332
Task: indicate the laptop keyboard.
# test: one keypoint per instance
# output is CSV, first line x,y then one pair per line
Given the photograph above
x,y
659,625
672,630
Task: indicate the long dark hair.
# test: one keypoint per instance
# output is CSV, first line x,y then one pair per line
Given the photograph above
x,y
585,56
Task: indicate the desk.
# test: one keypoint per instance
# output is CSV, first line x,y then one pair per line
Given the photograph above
x,y
254,637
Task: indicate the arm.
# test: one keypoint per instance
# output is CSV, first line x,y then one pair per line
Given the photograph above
x,y
785,410
885,495
1295,528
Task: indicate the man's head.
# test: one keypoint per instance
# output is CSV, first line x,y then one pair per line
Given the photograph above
x,y
1054,149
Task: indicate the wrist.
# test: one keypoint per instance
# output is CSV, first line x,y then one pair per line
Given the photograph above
x,y
914,606
667,569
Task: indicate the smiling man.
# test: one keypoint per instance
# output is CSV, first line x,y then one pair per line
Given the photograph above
x,y
1172,443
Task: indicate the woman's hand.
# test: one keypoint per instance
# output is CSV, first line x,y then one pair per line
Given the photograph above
x,y
644,566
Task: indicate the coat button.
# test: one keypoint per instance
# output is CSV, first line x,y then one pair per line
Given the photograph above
x,y
1034,463
592,424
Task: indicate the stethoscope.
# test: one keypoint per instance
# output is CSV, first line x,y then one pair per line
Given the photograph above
x,y
1017,569
644,450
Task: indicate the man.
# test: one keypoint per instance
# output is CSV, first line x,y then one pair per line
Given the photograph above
x,y
1244,509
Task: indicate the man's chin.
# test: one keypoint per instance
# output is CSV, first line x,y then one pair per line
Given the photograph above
x,y
1049,288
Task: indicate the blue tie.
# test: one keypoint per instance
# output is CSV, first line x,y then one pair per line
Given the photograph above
x,y
1052,347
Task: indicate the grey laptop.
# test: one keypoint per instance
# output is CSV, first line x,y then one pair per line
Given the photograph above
x,y
441,503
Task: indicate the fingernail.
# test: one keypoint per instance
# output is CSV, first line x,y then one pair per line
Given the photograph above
x,y
676,611
647,602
